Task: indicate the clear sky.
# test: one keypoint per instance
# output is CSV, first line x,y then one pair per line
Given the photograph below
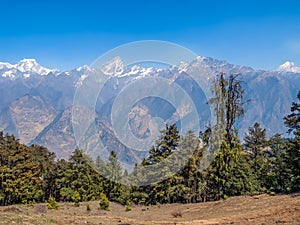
x,y
67,34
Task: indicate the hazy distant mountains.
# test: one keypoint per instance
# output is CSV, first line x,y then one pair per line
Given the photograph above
x,y
36,102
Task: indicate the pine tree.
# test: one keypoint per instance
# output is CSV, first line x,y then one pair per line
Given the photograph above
x,y
292,121
113,187
78,175
19,173
255,142
191,177
165,145
277,174
233,178
256,147
47,165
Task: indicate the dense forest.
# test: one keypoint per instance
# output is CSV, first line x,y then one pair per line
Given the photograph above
x,y
256,164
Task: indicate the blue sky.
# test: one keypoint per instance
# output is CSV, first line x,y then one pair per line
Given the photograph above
x,y
68,34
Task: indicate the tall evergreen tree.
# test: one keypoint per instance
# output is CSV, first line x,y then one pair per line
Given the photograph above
x,y
165,145
256,147
78,175
19,173
292,121
113,175
47,165
277,177
229,106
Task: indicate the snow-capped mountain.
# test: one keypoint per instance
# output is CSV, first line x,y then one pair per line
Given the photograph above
x,y
25,68
289,67
36,102
114,67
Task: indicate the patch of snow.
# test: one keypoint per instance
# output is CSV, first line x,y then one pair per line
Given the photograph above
x,y
83,68
9,73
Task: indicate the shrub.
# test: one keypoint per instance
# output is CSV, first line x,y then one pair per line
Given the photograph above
x,y
76,198
103,202
224,196
88,208
52,203
127,207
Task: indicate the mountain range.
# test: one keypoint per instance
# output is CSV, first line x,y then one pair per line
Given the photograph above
x,y
36,102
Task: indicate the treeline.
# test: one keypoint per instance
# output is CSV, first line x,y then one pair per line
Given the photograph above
x,y
30,174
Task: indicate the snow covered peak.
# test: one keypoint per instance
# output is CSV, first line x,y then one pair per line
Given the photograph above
x,y
30,65
289,67
25,68
83,68
5,65
114,67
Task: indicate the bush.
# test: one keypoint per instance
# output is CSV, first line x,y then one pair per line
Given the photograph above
x,y
28,203
76,198
128,207
52,203
88,208
103,202
224,196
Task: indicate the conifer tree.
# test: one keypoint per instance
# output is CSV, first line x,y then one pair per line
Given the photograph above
x,y
292,121
78,175
113,187
256,147
165,145
228,106
19,173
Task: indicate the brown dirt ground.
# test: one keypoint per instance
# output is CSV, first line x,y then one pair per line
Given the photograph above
x,y
260,209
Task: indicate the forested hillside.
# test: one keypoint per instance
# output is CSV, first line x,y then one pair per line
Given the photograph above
x,y
30,174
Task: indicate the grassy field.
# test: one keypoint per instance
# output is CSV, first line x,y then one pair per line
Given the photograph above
x,y
261,209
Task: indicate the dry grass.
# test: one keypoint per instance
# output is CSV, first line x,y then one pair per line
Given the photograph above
x,y
261,209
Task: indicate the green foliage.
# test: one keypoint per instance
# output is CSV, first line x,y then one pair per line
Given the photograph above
x,y
291,157
112,184
30,174
292,121
76,198
103,202
165,145
138,196
52,203
128,207
77,175
256,147
228,104
19,172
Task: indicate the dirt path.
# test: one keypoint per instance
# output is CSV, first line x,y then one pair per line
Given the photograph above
x,y
262,209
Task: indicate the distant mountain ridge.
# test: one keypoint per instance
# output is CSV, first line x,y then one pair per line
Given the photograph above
x,y
36,102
